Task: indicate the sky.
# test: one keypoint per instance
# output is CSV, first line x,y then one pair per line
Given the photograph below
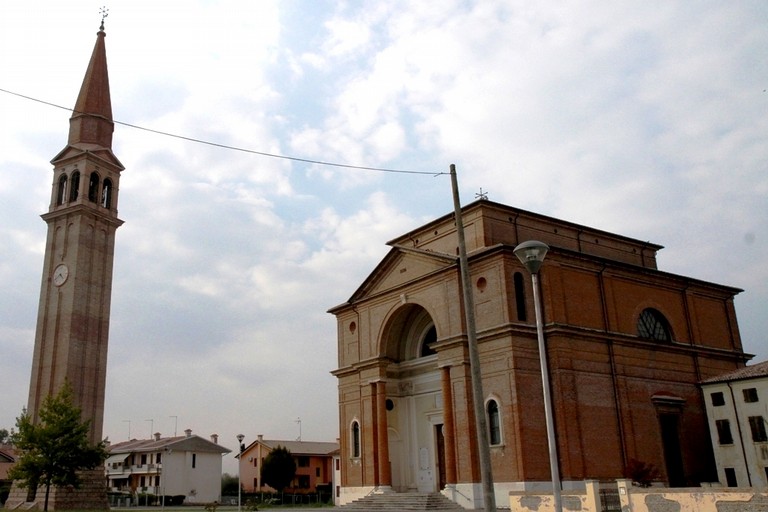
x,y
647,119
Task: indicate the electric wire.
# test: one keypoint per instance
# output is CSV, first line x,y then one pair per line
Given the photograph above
x,y
232,148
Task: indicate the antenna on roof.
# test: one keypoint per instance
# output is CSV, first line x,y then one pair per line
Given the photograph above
x,y
298,420
104,13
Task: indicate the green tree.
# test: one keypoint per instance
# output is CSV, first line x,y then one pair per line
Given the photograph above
x,y
278,469
5,437
228,485
53,450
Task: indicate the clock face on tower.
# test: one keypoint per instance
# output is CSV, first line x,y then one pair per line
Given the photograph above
x,y
60,274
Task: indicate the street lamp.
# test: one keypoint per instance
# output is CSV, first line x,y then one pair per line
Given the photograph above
x,y
531,254
241,449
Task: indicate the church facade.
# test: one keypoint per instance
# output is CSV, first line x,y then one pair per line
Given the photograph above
x,y
626,345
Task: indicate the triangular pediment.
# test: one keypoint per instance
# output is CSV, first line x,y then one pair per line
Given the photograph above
x,y
400,266
95,152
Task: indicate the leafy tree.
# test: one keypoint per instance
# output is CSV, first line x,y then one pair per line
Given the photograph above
x,y
5,437
228,485
53,450
278,469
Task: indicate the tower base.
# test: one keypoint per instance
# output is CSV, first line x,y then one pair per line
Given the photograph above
x,y
91,495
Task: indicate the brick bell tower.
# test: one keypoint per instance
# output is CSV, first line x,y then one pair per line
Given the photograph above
x,y
75,295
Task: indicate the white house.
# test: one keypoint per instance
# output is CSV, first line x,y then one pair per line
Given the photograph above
x,y
737,411
188,466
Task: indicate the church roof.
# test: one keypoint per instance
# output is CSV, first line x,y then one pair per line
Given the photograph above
x,y
754,371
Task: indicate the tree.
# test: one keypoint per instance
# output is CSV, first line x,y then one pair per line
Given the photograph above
x,y
229,485
55,448
278,469
5,437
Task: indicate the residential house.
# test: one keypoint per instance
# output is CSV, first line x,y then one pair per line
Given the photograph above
x,y
626,343
314,464
737,410
188,466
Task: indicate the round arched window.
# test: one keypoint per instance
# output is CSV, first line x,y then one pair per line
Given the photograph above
x,y
653,326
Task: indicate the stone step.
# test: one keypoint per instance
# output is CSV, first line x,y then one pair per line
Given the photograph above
x,y
405,501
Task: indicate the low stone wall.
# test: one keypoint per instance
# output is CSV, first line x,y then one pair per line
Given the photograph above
x,y
650,499
585,501
691,499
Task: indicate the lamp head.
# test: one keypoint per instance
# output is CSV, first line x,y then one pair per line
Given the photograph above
x,y
531,254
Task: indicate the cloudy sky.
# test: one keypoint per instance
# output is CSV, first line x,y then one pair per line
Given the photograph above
x,y
647,119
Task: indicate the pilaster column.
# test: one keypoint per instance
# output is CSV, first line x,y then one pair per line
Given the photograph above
x,y
385,471
449,427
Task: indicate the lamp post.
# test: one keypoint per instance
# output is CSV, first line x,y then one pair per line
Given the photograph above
x,y
241,448
531,254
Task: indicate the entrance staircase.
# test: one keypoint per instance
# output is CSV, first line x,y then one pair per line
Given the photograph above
x,y
402,501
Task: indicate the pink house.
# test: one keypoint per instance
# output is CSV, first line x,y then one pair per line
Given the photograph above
x,y
314,464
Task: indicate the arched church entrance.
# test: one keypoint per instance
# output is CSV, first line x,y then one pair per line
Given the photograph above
x,y
414,400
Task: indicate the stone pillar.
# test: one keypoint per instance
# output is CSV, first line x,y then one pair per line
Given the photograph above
x,y
625,488
449,428
592,500
385,471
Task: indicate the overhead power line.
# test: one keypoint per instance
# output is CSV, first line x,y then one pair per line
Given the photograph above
x,y
232,148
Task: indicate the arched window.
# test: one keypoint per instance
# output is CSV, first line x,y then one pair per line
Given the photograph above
x,y
429,337
653,326
74,186
355,439
494,422
93,187
106,194
520,297
61,194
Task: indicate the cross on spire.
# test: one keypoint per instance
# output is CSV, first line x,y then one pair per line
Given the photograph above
x,y
104,13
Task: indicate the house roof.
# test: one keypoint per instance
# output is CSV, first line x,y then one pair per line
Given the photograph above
x,y
181,443
298,447
753,371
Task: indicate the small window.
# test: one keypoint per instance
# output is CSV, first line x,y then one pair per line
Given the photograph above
x,y
317,472
757,426
730,477
255,483
61,194
718,399
724,432
194,460
653,326
494,424
93,187
303,461
303,481
429,337
355,439
106,194
520,297
143,458
159,458
750,395
74,189
157,480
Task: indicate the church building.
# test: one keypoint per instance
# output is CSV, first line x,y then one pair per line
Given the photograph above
x,y
626,344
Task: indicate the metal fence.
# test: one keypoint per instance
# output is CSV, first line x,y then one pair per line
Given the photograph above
x,y
609,500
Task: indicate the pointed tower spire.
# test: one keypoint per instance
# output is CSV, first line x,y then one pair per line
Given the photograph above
x,y
91,121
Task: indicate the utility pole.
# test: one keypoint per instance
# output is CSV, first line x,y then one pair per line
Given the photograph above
x,y
481,425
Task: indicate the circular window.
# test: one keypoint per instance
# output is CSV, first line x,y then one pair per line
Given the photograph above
x,y
482,284
352,327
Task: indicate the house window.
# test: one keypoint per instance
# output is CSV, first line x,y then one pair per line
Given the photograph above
x,y
355,439
255,483
494,424
520,296
143,481
303,461
653,326
730,477
143,458
757,426
194,460
750,395
718,399
724,432
317,472
303,481
157,480
158,458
